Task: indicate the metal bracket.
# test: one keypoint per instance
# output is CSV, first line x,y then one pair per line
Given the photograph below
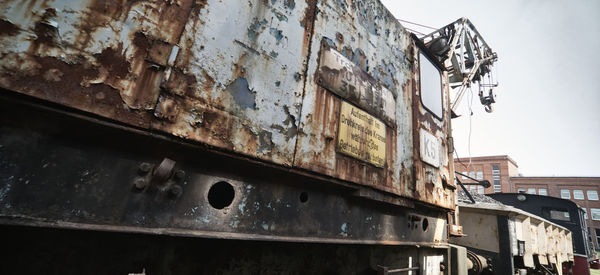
x,y
465,190
163,177
484,183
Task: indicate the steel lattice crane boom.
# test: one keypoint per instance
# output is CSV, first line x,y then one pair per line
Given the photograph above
x,y
467,58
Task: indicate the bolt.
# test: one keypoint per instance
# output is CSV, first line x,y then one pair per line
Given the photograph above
x,y
442,267
145,167
175,190
339,37
139,184
179,174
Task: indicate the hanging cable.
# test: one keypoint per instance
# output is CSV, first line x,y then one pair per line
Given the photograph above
x,y
470,116
417,24
414,31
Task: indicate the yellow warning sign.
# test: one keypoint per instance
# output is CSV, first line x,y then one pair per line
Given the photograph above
x,y
361,135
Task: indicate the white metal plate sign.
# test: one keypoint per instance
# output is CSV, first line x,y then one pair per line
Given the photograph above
x,y
430,148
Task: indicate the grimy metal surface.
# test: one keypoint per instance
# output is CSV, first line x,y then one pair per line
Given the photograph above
x,y
59,170
254,79
123,253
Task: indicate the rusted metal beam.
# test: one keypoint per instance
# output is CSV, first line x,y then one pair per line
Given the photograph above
x,y
103,178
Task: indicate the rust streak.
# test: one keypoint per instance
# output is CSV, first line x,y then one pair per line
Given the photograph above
x,y
181,84
114,61
60,82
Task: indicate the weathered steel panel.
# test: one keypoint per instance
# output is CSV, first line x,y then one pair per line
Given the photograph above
x,y
263,79
365,57
98,56
366,34
435,181
237,82
226,75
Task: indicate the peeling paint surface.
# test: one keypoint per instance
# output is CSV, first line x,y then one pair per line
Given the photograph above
x,y
241,78
337,26
239,51
98,56
117,59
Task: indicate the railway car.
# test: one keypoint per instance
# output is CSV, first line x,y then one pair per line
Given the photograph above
x,y
222,137
563,212
502,239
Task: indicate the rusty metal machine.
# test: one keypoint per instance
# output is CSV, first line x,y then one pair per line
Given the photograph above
x,y
215,137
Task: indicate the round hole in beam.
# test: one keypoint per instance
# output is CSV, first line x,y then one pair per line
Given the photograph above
x,y
425,224
303,197
221,195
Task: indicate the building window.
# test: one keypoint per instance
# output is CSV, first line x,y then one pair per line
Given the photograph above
x,y
543,191
565,194
497,187
431,86
472,174
463,175
531,191
561,215
521,190
595,213
476,189
592,195
479,175
578,194
496,176
495,170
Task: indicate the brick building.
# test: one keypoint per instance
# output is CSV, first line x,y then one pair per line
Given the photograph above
x,y
496,169
581,190
502,173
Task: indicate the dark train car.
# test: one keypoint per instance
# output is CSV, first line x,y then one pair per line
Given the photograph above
x,y
563,212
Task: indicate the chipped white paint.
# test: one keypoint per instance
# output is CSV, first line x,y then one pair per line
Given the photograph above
x,y
240,78
228,42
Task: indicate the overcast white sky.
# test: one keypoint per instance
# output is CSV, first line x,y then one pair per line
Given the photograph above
x,y
547,116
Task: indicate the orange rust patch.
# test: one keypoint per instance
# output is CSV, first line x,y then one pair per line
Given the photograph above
x,y
180,84
209,82
60,82
114,61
